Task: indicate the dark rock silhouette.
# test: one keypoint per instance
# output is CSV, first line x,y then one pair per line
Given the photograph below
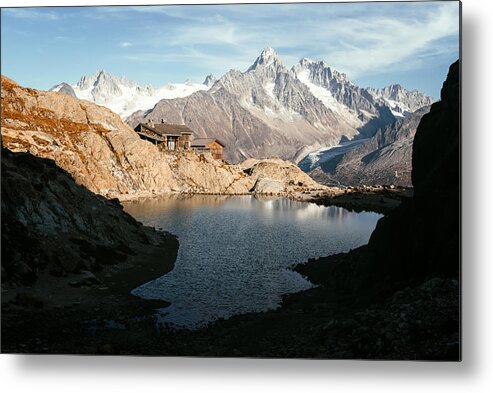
x,y
50,223
421,238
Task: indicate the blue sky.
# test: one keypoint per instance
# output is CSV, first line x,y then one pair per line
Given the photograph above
x,y
376,44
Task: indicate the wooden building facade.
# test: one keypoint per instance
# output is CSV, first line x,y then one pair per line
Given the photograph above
x,y
178,137
166,136
208,145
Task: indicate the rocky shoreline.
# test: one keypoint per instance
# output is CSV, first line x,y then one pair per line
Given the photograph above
x,y
415,323
378,199
89,305
94,312
69,256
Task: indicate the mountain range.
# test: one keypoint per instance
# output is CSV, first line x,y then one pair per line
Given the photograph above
x,y
385,158
124,96
267,110
103,154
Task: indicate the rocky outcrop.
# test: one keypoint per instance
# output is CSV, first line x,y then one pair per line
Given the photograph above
x,y
405,281
51,224
432,217
88,141
209,80
69,256
384,158
276,176
105,155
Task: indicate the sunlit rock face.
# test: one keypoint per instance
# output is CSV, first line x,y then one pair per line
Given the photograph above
x,y
105,155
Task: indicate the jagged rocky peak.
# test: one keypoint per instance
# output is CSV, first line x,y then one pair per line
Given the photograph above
x,y
106,86
229,82
401,100
305,62
318,72
210,80
102,85
267,58
102,77
392,92
127,82
86,81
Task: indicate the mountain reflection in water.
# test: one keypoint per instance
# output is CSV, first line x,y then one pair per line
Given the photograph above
x,y
235,251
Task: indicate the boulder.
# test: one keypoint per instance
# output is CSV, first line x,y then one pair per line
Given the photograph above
x,y
268,186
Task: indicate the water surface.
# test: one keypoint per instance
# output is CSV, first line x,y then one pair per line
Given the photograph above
x,y
235,252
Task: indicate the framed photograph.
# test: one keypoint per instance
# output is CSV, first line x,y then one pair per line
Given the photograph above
x,y
232,180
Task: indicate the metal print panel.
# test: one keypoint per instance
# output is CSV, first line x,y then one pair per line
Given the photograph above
x,y
236,180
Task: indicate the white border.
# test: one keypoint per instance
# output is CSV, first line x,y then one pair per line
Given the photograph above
x,y
134,374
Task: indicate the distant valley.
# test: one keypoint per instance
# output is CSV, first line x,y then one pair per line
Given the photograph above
x,y
385,158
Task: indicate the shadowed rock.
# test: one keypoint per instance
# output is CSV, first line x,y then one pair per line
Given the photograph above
x,y
421,237
49,223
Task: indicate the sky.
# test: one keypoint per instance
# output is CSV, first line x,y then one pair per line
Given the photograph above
x,y
375,44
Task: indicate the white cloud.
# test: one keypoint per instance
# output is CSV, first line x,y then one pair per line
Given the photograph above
x,y
30,13
210,62
217,34
376,44
358,40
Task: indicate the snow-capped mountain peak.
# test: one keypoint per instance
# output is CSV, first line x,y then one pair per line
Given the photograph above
x,y
307,63
269,54
326,82
268,87
402,102
319,72
123,95
271,110
267,58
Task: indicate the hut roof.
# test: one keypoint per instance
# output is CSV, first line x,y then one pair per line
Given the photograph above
x,y
154,138
168,129
203,142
